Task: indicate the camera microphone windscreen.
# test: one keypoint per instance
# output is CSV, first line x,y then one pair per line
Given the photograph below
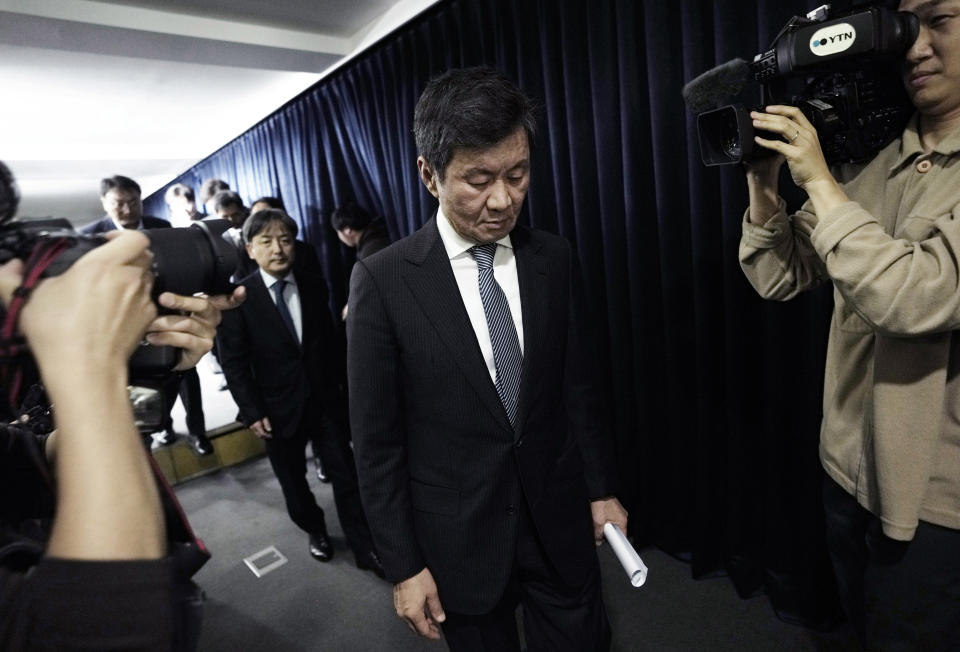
x,y
716,87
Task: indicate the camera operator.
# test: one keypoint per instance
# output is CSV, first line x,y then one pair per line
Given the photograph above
x,y
887,235
105,580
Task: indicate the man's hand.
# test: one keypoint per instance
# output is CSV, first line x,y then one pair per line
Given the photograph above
x,y
607,510
262,428
801,149
417,602
194,329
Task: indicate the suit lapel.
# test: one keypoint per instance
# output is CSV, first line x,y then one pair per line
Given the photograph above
x,y
430,279
532,277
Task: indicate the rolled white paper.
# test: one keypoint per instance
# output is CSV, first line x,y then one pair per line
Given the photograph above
x,y
629,559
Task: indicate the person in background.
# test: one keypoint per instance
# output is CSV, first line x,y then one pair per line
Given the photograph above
x,y
356,228
183,211
181,205
284,368
209,190
228,205
305,257
120,197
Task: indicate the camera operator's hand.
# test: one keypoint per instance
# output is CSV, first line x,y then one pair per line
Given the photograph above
x,y
194,330
763,175
801,149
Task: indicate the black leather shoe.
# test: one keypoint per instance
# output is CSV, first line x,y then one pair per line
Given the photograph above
x,y
201,445
320,547
371,562
321,476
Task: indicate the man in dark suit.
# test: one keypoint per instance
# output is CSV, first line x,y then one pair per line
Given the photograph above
x,y
285,371
120,197
305,258
484,465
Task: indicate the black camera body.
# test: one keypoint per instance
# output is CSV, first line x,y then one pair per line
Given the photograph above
x,y
185,261
839,69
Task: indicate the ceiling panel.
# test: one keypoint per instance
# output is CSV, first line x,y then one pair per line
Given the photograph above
x,y
336,17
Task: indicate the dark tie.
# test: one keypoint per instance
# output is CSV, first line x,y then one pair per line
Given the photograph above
x,y
282,308
507,357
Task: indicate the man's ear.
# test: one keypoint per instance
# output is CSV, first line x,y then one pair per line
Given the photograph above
x,y
249,250
428,176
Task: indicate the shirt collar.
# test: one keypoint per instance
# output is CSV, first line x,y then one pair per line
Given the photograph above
x,y
456,244
121,227
910,145
270,279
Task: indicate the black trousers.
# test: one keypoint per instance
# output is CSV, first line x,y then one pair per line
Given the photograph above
x,y
188,386
556,617
289,461
900,595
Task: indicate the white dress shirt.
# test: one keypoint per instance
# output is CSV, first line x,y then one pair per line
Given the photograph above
x,y
291,296
465,271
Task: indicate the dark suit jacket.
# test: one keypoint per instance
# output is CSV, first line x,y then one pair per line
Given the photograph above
x,y
373,239
267,371
442,472
106,224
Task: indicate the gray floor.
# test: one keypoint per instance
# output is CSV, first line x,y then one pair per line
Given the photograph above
x,y
305,605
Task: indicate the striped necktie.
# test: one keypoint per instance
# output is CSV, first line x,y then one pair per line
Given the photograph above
x,y
507,357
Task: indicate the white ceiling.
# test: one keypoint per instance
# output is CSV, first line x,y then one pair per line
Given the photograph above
x,y
146,88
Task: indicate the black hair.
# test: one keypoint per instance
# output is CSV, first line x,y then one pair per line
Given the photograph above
x,y
119,182
178,190
272,202
350,216
210,188
261,219
226,198
469,108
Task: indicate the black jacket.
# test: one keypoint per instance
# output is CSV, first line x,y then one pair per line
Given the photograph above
x,y
267,371
442,472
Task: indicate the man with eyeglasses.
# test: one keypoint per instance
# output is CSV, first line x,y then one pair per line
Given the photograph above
x,y
120,197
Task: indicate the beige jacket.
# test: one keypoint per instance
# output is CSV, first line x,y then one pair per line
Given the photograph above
x,y
891,406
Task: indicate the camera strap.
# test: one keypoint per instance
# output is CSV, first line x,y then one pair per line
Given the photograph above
x,y
13,346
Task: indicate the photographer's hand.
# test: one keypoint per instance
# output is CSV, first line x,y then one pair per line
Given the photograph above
x,y
801,149
82,327
194,331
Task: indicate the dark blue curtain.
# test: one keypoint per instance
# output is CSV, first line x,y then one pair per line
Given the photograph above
x,y
713,394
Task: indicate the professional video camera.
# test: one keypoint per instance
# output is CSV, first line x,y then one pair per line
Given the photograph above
x,y
838,66
185,261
